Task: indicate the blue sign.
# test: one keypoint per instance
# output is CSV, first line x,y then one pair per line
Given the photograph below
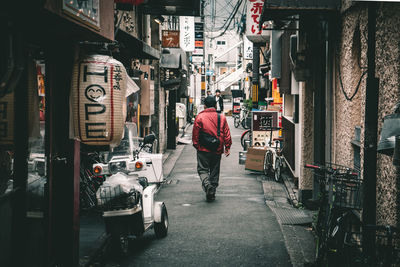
x,y
209,72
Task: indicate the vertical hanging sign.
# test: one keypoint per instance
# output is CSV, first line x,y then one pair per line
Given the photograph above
x,y
253,32
248,49
186,27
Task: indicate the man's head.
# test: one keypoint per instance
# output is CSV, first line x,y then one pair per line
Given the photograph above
x,y
210,102
208,93
217,92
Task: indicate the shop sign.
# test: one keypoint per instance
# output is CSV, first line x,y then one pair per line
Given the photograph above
x,y
86,11
170,39
197,59
199,26
253,32
248,49
198,51
98,100
186,33
199,44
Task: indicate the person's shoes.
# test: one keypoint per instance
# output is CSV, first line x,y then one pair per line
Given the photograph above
x,y
210,194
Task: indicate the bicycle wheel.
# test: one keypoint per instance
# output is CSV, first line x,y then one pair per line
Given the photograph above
x,y
246,136
236,121
322,229
268,158
245,124
278,170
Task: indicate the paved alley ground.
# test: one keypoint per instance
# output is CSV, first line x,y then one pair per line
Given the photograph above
x,y
237,229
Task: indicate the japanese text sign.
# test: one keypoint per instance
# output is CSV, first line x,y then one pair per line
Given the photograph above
x,y
186,26
253,33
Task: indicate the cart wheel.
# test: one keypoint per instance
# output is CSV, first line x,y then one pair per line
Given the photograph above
x,y
161,228
268,163
277,172
119,245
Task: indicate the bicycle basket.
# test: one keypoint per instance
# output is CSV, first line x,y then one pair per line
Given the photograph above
x,y
346,192
344,186
114,198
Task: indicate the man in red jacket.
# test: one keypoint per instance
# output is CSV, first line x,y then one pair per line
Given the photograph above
x,y
208,162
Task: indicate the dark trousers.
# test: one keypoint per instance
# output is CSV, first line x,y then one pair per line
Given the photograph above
x,y
208,165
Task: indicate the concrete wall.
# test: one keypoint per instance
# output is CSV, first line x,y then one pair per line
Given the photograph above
x,y
388,72
350,51
306,133
352,48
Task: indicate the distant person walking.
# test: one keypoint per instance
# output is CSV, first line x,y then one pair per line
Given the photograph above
x,y
219,100
211,137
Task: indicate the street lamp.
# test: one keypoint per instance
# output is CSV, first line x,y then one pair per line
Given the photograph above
x,y
159,19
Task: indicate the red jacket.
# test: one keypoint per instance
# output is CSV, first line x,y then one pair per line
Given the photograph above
x,y
207,121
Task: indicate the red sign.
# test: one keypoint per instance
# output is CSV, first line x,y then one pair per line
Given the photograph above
x,y
198,44
170,39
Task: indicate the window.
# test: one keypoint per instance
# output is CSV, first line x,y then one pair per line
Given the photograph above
x,y
221,43
357,148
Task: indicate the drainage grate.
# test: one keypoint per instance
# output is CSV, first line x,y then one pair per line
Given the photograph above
x,y
291,216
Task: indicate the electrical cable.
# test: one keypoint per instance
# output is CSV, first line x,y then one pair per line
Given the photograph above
x,y
342,87
230,21
231,15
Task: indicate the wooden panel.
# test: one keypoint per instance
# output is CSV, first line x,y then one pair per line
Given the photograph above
x,y
288,141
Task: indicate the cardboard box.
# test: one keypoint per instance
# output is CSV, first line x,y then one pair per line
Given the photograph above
x,y
255,159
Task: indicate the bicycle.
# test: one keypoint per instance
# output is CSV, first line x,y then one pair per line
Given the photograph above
x,y
340,193
246,138
273,159
241,119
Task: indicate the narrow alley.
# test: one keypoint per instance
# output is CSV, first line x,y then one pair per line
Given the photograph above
x,y
98,156
237,229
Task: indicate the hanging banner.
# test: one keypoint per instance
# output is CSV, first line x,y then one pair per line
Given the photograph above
x,y
253,32
248,49
186,27
98,100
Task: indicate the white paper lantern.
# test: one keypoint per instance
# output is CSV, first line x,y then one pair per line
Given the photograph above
x,y
98,100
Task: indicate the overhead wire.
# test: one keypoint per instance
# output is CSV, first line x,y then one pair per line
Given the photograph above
x,y
230,17
233,14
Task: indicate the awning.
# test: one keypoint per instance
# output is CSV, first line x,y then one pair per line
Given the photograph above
x,y
173,58
281,9
172,7
134,47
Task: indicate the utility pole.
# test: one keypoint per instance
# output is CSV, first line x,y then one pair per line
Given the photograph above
x,y
370,136
203,64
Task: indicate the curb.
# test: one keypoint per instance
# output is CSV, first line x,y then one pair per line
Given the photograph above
x,y
298,240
